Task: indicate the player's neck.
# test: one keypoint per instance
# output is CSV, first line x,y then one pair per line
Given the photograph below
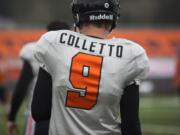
x,y
94,31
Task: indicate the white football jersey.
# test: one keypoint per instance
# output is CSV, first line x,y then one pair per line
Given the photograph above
x,y
89,76
27,53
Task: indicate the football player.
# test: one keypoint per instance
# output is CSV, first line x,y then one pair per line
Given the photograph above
x,y
88,84
25,86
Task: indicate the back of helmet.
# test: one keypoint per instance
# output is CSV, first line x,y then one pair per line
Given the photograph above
x,y
96,11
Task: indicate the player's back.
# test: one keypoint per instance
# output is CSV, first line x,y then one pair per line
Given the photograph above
x,y
89,76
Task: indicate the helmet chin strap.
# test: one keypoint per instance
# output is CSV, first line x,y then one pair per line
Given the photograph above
x,y
76,21
75,27
110,30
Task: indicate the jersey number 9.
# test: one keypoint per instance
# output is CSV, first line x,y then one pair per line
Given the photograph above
x,y
84,77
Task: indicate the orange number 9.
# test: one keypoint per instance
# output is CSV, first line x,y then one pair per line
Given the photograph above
x,y
85,77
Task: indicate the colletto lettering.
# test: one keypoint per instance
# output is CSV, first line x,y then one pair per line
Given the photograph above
x,y
91,46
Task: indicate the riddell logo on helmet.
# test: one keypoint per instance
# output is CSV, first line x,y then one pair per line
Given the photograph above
x,y
100,17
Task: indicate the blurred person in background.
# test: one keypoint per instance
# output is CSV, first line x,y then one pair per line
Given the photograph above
x,y
25,86
2,91
177,71
89,84
5,94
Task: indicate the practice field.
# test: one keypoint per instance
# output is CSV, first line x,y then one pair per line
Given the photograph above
x,y
159,116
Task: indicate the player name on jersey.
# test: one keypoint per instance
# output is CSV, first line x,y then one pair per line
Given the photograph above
x,y
92,46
